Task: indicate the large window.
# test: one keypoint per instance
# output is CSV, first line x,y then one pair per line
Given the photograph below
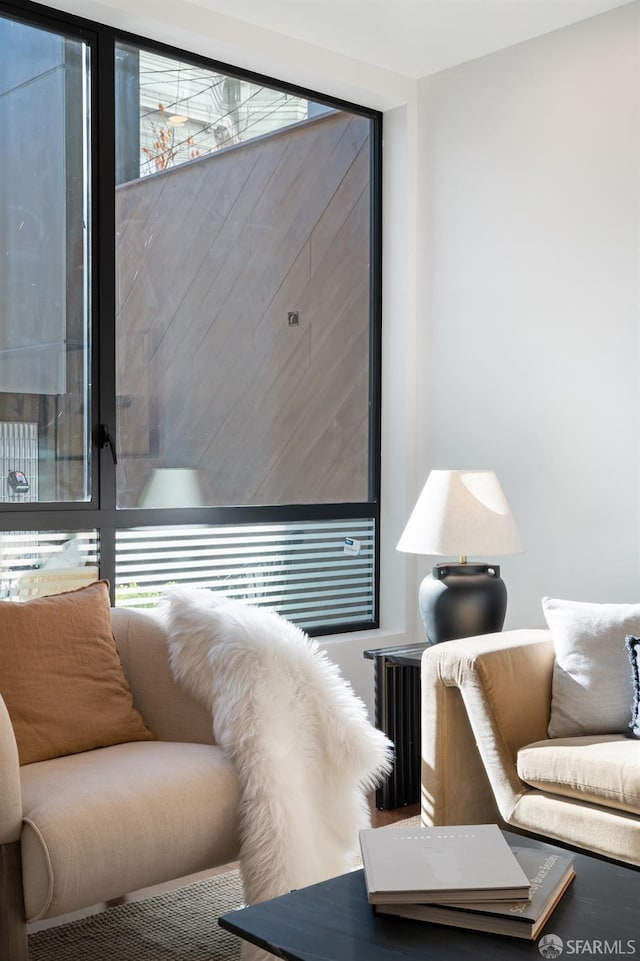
x,y
191,290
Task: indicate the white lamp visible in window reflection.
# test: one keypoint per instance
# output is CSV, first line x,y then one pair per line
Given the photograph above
x,y
462,513
173,487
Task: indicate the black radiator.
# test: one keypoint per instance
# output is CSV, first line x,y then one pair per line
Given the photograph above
x,y
397,713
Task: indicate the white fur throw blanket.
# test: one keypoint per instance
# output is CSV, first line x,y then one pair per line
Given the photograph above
x,y
305,752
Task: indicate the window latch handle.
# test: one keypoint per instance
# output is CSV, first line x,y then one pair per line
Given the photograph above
x,y
106,440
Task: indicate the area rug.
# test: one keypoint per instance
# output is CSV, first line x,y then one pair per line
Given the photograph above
x,y
178,925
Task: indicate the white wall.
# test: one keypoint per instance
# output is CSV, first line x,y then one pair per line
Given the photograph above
x,y
530,300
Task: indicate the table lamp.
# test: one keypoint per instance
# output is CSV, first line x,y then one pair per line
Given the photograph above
x,y
462,513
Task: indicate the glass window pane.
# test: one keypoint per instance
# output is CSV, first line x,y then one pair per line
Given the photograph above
x,y
38,563
44,276
243,272
315,573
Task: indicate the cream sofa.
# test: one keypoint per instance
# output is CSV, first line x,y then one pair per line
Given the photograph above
x,y
486,755
90,827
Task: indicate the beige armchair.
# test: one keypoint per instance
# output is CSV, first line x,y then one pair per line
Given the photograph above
x,y
88,828
487,757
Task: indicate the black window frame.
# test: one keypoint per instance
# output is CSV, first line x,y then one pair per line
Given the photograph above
x,y
100,512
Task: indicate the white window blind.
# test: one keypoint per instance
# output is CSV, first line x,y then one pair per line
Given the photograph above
x,y
315,573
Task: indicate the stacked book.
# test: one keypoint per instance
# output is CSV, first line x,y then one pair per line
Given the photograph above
x,y
466,876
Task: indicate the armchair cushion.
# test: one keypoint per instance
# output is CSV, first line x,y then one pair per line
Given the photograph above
x,y
102,823
61,677
600,769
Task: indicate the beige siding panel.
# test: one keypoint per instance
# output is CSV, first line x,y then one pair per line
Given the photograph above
x,y
212,256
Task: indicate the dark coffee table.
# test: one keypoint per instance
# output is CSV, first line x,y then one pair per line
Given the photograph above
x,y
333,921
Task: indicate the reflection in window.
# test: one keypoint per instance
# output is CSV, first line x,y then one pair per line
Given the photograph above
x,y
176,111
39,563
44,279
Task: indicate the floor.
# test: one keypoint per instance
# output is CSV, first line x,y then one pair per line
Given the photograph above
x,y
378,819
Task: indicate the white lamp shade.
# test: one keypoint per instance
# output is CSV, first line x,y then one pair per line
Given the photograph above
x,y
173,487
461,513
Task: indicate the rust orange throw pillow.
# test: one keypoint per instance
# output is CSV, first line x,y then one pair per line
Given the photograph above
x,y
61,675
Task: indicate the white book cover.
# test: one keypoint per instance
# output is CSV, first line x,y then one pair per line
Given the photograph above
x,y
470,862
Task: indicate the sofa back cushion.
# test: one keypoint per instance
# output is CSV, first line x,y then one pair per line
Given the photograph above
x,y
591,689
61,676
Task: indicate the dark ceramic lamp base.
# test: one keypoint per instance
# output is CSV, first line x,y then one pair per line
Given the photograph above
x,y
462,600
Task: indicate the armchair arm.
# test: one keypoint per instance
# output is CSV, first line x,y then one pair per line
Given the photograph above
x,y
170,713
10,792
483,698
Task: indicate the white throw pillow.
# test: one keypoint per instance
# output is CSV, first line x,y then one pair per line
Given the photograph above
x,y
591,691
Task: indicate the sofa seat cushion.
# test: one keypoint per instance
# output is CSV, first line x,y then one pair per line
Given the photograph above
x,y
601,769
92,821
